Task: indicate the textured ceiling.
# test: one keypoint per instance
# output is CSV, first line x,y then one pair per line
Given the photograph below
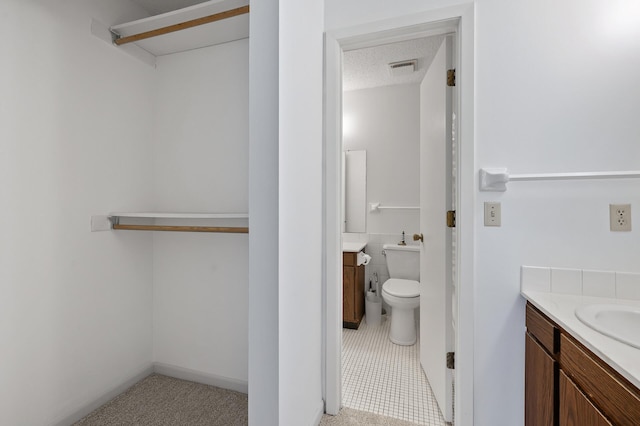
x,y
156,7
369,67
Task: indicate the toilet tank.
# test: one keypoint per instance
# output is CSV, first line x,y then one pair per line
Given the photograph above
x,y
403,261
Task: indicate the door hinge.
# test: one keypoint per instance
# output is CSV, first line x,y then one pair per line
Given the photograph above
x,y
451,219
451,77
451,360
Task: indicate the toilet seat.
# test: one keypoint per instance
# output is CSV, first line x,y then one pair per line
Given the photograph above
x,y
401,288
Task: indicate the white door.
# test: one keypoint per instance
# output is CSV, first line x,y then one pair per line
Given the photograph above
x,y
436,330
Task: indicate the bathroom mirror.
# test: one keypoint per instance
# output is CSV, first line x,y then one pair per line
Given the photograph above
x,y
355,191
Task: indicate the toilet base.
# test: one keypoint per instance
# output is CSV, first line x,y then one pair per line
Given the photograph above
x,y
403,327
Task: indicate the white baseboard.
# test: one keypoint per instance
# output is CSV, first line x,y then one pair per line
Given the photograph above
x,y
318,414
100,401
201,377
160,368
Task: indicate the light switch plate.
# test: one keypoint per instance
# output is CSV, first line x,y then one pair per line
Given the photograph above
x,y
492,214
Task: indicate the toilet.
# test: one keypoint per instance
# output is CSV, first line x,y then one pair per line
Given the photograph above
x,y
402,291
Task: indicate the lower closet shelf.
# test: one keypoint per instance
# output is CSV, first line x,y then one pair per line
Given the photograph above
x,y
115,221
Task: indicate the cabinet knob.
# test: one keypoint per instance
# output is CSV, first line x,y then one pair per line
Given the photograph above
x,y
417,237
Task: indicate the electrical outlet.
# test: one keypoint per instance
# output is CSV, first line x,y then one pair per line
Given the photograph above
x,y
620,217
492,214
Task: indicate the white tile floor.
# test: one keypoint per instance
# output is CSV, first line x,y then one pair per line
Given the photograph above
x,y
383,378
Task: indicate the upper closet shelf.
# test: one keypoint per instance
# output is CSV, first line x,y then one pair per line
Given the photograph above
x,y
155,215
201,25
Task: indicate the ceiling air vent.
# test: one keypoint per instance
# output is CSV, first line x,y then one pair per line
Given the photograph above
x,y
403,67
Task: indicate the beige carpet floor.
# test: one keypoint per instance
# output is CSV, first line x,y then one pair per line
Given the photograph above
x,y
164,401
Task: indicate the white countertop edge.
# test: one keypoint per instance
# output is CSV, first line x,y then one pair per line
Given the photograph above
x,y
353,246
560,308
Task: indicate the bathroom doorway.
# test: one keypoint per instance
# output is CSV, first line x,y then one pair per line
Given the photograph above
x,y
338,46
394,110
401,119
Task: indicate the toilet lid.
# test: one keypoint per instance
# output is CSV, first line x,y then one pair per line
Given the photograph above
x,y
402,288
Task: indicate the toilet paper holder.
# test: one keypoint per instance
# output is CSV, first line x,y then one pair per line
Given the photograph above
x,y
363,258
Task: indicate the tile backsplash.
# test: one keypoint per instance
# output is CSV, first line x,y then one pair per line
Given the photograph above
x,y
585,282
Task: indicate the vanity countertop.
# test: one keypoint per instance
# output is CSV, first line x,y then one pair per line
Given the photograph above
x,y
353,246
623,358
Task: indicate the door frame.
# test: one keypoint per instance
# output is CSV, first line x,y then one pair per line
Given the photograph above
x,y
336,42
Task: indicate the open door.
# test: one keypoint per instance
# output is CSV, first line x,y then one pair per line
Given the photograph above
x,y
436,267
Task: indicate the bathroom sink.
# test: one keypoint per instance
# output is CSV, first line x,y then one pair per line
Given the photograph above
x,y
620,322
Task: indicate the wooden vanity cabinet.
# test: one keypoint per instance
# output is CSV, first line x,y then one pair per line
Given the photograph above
x,y
616,398
584,391
352,290
575,407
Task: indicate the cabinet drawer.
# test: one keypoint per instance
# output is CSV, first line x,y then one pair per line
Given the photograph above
x,y
349,259
542,329
609,393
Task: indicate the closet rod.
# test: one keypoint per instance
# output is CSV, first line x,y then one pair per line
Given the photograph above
x,y
228,230
183,25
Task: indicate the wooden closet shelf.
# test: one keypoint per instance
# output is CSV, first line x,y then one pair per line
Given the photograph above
x,y
113,220
158,215
205,24
182,228
182,25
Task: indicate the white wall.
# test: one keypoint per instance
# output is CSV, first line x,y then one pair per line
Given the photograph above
x,y
546,101
556,112
263,214
384,121
200,281
285,193
75,140
300,211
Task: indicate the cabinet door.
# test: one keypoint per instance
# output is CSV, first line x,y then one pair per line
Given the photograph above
x,y
539,380
619,400
359,292
348,293
575,408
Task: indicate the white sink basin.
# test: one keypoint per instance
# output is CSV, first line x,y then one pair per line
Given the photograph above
x,y
620,322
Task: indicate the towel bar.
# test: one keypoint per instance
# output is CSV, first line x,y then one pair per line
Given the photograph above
x,y
497,179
